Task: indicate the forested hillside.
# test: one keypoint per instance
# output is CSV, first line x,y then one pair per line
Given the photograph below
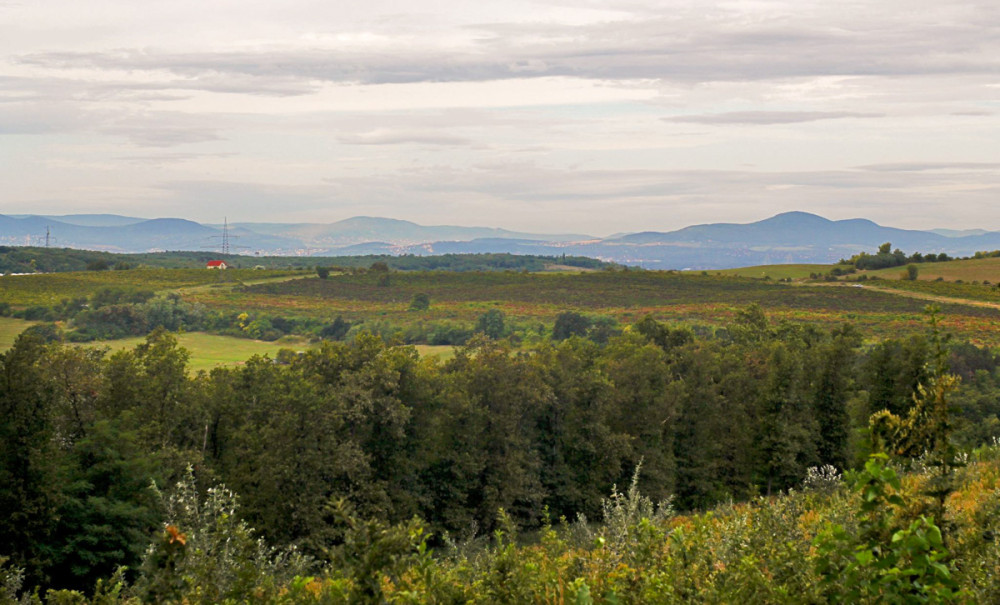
x,y
336,453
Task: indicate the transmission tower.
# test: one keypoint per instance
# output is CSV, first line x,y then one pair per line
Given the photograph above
x,y
225,235
37,240
226,246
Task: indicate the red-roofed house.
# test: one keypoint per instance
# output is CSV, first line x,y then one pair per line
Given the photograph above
x,y
216,264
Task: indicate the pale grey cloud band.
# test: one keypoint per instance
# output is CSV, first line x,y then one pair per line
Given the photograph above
x,y
585,115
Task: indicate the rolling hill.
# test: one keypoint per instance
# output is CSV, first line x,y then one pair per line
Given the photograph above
x,y
791,237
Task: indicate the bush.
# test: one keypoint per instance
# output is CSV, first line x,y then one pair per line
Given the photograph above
x,y
420,302
336,330
36,313
449,333
491,324
46,332
206,554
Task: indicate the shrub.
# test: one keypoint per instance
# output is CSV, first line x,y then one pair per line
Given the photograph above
x,y
36,313
46,332
420,302
336,330
206,554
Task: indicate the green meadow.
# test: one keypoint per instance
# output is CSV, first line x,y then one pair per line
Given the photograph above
x,y
207,350
211,350
10,328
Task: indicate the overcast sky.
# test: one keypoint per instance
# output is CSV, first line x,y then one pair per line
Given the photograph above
x,y
540,115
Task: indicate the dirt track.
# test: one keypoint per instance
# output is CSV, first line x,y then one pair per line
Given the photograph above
x,y
918,295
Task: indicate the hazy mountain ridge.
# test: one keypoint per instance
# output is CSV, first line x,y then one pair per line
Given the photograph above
x,y
366,229
791,237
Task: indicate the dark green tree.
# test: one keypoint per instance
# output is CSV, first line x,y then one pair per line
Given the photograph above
x,y
107,510
29,494
582,454
491,323
786,447
833,386
570,323
336,330
892,372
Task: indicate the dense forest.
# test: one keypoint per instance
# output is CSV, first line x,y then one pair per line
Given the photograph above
x,y
347,446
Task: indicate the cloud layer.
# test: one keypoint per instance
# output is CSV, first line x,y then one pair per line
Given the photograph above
x,y
587,116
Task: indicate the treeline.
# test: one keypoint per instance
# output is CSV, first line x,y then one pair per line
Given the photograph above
x,y
111,313
466,262
25,259
391,436
886,257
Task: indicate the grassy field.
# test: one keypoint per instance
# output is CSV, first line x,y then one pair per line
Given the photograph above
x,y
207,350
210,350
625,296
442,352
602,290
50,288
979,269
772,271
10,328
974,269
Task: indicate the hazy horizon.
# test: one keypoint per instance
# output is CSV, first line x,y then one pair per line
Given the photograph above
x,y
553,231
531,115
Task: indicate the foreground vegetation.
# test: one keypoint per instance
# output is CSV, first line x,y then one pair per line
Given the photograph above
x,y
335,454
614,436
805,547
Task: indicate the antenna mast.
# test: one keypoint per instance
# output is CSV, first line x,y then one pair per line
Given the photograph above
x,y
46,236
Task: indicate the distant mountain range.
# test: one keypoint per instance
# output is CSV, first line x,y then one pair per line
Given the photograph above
x,y
792,237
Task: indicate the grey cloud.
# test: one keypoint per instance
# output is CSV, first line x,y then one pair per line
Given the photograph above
x,y
769,117
153,136
145,129
166,88
688,48
168,158
396,137
251,196
20,117
930,166
523,181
